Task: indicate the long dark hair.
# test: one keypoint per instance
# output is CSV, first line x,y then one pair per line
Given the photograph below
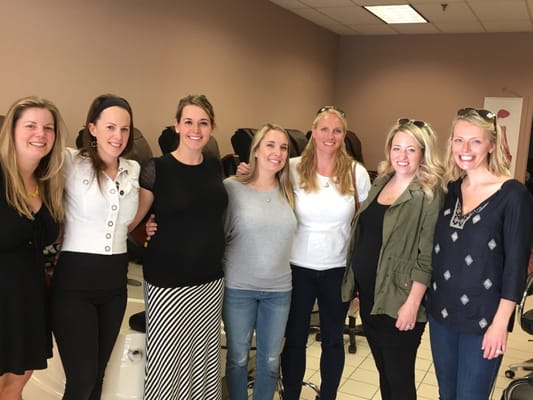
x,y
95,110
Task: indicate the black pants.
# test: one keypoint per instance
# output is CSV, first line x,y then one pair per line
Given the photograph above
x,y
394,353
307,286
86,324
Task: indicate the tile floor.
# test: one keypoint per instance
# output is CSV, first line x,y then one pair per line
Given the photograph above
x,y
360,377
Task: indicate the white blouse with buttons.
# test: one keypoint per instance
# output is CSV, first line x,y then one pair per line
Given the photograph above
x,y
97,219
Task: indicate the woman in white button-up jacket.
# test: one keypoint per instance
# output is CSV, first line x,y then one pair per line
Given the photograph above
x,y
89,287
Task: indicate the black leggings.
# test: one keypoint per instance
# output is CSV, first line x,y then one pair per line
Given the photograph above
x,y
86,324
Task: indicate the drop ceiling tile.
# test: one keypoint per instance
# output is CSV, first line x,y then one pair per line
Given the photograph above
x,y
509,26
350,15
328,3
341,29
460,27
459,16
382,29
289,4
498,10
314,16
454,12
414,28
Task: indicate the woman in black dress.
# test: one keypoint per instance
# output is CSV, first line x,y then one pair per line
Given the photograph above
x,y
31,207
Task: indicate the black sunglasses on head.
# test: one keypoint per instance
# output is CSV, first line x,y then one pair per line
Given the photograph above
x,y
406,121
487,115
327,108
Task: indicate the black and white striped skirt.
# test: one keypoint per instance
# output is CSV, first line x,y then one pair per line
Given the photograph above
x,y
183,342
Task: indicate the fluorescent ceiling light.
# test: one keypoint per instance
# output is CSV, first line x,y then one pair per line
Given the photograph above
x,y
401,14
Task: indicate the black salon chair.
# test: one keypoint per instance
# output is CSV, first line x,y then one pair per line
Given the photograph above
x,y
230,162
351,329
352,144
241,141
139,152
519,389
526,323
169,140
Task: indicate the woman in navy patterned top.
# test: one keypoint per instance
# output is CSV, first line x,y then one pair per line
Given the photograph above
x,y
480,256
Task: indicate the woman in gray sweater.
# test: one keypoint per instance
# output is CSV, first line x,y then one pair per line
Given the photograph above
x,y
260,225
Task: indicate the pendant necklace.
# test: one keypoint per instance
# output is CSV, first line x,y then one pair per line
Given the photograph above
x,y
35,193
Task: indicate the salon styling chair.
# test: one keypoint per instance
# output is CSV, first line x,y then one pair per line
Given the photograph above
x,y
522,388
526,323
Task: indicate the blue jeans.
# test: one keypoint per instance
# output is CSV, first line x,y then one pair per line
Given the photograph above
x,y
462,372
243,311
308,286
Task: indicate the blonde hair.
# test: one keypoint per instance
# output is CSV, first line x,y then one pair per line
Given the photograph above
x,y
343,171
498,163
48,173
430,171
282,176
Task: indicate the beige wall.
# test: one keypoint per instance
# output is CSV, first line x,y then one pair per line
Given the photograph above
x,y
254,61
429,77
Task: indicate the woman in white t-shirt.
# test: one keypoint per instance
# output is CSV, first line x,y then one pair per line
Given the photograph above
x,y
323,179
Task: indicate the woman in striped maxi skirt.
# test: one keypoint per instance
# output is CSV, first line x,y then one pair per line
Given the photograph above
x,y
181,332
182,264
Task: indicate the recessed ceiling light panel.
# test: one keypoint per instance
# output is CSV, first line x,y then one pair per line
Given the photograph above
x,y
397,14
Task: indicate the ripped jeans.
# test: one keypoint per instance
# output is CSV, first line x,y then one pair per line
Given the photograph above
x,y
266,312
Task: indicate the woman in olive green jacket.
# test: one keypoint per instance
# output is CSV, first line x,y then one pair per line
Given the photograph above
x,y
389,259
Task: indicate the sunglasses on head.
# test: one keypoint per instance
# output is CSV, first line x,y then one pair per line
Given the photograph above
x,y
487,115
406,121
327,108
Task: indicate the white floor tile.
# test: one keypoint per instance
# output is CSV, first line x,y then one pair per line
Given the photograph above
x,y
360,379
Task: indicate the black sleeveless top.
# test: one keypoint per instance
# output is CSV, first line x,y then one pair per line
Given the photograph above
x,y
189,204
